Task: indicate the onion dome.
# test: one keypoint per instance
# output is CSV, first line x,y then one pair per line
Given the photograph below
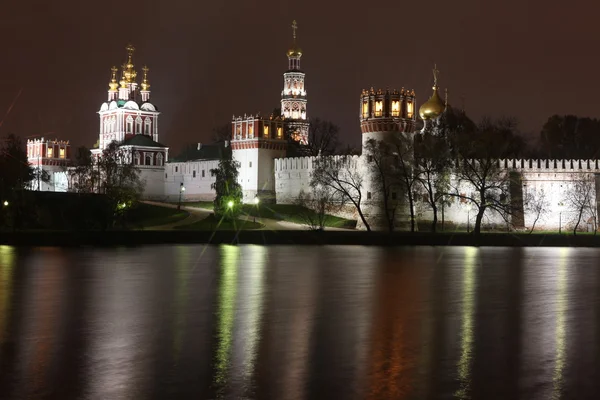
x,y
294,51
113,84
435,106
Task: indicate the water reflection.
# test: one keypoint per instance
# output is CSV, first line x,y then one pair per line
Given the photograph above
x,y
292,322
467,325
7,264
560,330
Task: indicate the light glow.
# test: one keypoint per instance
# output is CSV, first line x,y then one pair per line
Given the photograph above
x,y
5,203
378,108
395,108
409,109
230,204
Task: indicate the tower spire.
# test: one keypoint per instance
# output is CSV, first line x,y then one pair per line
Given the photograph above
x,y
145,84
113,85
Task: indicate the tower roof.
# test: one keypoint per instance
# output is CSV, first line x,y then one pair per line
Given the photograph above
x,y
435,106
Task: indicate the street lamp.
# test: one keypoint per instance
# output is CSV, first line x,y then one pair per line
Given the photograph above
x,y
181,190
230,204
5,203
560,206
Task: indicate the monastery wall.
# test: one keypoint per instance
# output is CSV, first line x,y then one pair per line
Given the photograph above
x,y
196,178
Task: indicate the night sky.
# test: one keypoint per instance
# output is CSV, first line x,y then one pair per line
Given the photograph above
x,y
211,59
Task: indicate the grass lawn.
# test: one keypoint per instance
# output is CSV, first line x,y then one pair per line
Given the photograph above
x,y
293,213
211,223
147,215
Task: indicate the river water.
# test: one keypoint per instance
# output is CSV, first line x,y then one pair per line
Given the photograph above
x,y
295,322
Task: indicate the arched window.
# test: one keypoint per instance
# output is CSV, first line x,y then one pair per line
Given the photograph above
x,y
113,123
138,125
129,124
147,126
136,158
148,159
266,131
159,159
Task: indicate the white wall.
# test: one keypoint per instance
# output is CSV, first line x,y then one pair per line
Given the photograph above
x,y
197,188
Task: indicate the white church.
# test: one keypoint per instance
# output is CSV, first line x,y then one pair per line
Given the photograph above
x,y
259,145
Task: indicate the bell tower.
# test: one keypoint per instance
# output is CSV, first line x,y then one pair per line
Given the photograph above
x,y
293,96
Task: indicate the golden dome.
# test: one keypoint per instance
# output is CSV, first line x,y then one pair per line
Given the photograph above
x,y
432,108
295,51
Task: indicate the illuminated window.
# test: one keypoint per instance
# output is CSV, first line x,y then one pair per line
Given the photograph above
x,y
266,131
250,131
49,152
279,133
238,131
409,109
395,108
378,108
61,153
365,110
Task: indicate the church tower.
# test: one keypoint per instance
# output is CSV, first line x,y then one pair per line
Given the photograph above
x,y
293,96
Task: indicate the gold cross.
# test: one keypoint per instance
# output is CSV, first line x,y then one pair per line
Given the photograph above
x,y
294,27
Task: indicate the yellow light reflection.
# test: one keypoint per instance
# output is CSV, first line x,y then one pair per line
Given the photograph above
x,y
560,332
226,312
467,330
7,263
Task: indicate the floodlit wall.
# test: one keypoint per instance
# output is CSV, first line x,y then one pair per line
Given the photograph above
x,y
196,178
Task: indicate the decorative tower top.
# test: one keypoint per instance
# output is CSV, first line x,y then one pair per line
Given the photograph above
x,y
128,69
113,85
145,92
145,84
434,107
294,53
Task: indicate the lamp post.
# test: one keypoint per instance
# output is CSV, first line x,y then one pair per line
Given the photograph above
x,y
560,206
181,190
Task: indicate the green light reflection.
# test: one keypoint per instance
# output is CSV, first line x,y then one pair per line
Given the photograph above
x,y
226,311
560,332
467,329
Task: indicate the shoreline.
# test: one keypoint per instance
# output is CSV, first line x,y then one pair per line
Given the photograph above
x,y
263,237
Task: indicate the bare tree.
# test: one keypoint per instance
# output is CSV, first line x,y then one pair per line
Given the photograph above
x,y
322,137
432,172
478,167
404,168
381,158
340,175
580,198
536,203
316,206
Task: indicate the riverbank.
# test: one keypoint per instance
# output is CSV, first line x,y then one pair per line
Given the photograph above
x,y
135,238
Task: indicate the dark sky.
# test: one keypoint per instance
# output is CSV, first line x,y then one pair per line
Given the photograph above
x,y
212,59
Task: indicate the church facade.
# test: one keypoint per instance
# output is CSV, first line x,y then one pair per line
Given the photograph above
x,y
260,145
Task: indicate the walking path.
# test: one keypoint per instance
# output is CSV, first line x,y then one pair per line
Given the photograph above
x,y
198,214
